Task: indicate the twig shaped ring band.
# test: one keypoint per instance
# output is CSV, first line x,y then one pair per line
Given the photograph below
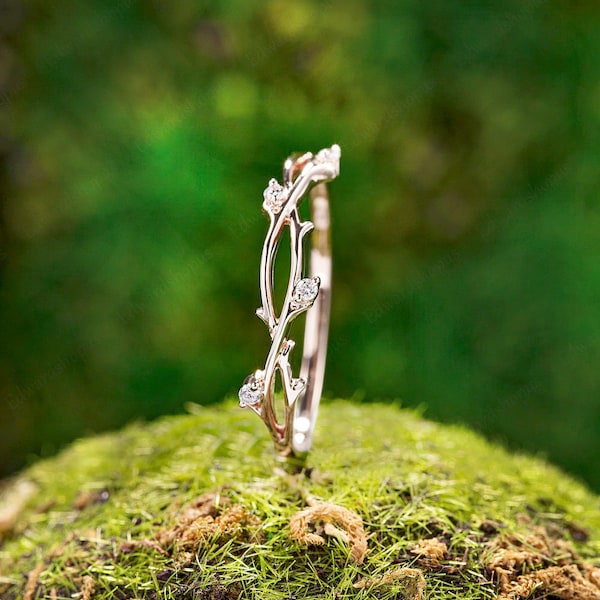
x,y
302,175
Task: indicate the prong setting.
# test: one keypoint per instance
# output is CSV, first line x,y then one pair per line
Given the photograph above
x,y
275,196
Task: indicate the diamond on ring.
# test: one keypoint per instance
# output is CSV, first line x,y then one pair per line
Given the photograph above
x,y
251,393
306,290
274,196
249,396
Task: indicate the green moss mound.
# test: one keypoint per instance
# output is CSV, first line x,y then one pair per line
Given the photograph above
x,y
197,507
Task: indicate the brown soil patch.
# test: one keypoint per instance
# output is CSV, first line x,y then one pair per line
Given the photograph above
x,y
540,565
210,517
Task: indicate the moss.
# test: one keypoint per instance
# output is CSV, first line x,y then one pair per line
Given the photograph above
x,y
196,506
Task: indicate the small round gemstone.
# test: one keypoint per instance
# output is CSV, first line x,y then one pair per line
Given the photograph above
x,y
248,395
306,290
275,196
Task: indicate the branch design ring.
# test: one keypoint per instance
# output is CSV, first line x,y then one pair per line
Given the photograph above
x,y
303,175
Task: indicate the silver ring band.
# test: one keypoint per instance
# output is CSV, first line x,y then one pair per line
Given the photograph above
x,y
293,434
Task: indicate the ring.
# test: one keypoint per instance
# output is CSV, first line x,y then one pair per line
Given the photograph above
x,y
293,432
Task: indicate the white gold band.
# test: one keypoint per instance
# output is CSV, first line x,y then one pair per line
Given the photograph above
x,y
293,433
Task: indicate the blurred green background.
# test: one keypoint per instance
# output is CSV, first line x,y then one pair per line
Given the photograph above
x,y
137,137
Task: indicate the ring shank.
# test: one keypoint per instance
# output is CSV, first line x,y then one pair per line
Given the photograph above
x,y
317,324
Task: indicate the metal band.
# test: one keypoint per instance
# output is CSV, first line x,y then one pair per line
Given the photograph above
x,y
293,433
